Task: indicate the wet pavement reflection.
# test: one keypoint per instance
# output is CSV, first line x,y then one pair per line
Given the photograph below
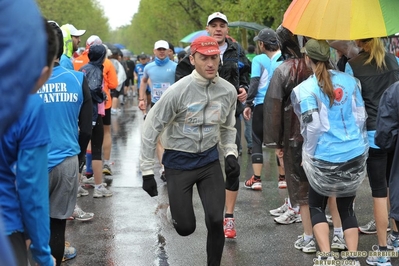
x,y
131,228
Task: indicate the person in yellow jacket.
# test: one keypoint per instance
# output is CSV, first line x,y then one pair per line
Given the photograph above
x,y
71,44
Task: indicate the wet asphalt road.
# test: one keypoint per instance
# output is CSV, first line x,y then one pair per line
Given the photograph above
x,y
131,228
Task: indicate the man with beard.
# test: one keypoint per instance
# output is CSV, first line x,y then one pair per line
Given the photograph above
x,y
71,44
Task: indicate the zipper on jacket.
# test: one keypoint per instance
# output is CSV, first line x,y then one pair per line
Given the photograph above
x,y
204,112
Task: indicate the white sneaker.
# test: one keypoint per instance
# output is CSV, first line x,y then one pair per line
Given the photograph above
x,y
101,192
289,217
280,210
90,181
338,243
306,246
320,261
393,242
329,219
80,215
82,192
378,260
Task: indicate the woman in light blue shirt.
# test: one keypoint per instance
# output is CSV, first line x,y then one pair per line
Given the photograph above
x,y
332,115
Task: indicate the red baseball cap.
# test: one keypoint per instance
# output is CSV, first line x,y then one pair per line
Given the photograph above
x,y
205,45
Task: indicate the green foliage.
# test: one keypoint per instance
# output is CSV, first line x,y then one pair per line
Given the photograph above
x,y
160,19
173,19
83,14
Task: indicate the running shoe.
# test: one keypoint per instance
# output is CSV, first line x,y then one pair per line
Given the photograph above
x,y
280,210
254,184
90,182
370,228
229,227
80,215
338,243
282,184
393,242
82,192
289,217
308,246
378,260
107,169
101,192
329,219
323,261
69,252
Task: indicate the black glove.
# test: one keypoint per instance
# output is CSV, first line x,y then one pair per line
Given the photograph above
x,y
150,185
232,168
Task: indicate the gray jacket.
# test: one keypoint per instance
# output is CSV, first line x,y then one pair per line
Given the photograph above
x,y
193,115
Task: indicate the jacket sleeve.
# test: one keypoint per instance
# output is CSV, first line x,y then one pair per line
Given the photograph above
x,y
244,69
273,124
112,77
33,191
387,123
184,68
228,131
253,90
85,120
157,118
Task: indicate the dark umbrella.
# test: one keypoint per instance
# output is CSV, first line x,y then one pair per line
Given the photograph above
x,y
246,25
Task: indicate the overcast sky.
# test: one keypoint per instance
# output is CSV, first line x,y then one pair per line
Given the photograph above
x,y
119,12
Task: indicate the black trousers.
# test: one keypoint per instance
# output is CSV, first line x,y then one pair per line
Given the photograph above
x,y
211,190
17,242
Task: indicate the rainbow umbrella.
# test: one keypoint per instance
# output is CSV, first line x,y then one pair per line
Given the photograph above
x,y
342,19
194,35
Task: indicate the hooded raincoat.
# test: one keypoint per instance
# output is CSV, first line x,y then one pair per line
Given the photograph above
x,y
94,75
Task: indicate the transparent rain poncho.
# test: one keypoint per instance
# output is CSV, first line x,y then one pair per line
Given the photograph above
x,y
281,128
335,146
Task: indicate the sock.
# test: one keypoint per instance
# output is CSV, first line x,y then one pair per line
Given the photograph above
x,y
281,177
296,209
289,203
106,162
306,237
98,186
395,234
257,176
338,231
228,215
89,169
383,248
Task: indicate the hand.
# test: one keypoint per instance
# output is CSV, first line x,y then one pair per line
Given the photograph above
x,y
232,168
143,106
242,95
150,185
247,113
279,153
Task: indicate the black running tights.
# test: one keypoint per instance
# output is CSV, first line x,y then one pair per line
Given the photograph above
x,y
57,239
211,190
318,203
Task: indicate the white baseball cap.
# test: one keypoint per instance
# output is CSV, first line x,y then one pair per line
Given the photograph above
x,y
93,40
161,44
217,15
75,32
